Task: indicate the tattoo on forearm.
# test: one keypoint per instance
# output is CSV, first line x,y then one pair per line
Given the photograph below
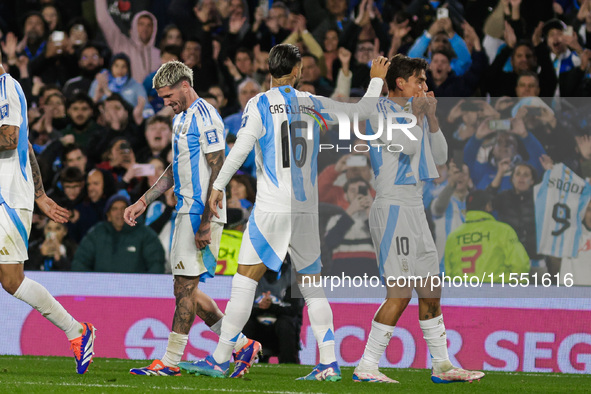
x,y
165,182
215,161
37,181
8,137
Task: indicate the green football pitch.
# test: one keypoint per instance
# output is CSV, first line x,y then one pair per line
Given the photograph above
x,y
32,374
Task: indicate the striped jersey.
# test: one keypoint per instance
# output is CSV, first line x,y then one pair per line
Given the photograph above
x,y
560,202
16,179
196,132
579,267
453,217
400,162
286,124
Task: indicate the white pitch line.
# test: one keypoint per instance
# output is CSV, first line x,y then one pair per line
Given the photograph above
x,y
158,388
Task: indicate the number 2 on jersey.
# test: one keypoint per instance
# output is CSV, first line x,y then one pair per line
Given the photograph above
x,y
298,144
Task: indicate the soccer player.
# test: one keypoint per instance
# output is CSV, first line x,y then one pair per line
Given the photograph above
x,y
198,155
398,224
285,216
20,185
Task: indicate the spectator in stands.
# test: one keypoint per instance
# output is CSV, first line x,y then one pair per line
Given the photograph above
x,y
449,207
441,35
78,33
333,176
583,163
579,266
52,17
81,113
224,110
311,74
158,135
273,31
53,253
139,45
331,46
35,33
276,317
90,63
445,83
515,206
171,35
113,246
470,113
198,55
119,161
118,80
242,193
167,54
347,235
320,19
246,90
482,246
506,146
564,51
115,115
73,156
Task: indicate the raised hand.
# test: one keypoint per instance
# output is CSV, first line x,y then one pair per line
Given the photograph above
x,y
379,67
509,35
584,145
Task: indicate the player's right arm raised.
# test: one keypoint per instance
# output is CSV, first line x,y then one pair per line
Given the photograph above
x,y
165,182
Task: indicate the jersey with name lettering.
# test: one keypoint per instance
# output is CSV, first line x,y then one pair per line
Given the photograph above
x,y
560,202
286,124
196,132
16,178
400,164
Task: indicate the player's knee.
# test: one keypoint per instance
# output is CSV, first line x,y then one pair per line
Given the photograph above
x,y
184,286
11,284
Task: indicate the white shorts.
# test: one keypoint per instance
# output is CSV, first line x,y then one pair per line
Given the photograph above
x,y
402,240
185,258
15,226
269,236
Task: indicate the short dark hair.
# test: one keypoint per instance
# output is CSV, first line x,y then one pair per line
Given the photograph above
x,y
282,59
118,97
71,174
71,148
477,200
173,50
308,54
447,53
80,97
354,181
529,74
159,119
402,66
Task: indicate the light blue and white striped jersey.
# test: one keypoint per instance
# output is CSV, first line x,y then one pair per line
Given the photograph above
x,y
16,178
196,132
453,217
560,201
396,171
284,122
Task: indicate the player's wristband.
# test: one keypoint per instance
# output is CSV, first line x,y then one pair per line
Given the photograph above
x,y
145,204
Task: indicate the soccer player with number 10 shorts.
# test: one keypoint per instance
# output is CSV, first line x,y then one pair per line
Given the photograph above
x,y
398,225
285,216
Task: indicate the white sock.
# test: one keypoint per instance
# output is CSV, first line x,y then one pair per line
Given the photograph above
x,y
377,341
434,334
237,314
175,349
39,298
240,342
320,315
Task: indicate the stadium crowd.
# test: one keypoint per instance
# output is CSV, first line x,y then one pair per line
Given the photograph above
x,y
510,77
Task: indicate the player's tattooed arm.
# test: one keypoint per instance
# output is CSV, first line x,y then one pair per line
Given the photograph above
x,y
37,181
165,182
215,161
8,137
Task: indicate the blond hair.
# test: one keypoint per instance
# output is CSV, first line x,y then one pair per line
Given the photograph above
x,y
171,73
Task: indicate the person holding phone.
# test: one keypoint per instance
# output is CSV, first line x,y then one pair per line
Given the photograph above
x,y
54,252
348,167
505,145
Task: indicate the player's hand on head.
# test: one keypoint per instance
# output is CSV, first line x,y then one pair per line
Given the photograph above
x,y
216,201
379,67
52,210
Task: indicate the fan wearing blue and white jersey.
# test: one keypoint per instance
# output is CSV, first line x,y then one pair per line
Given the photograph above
x,y
448,209
285,216
198,154
560,201
402,162
20,187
